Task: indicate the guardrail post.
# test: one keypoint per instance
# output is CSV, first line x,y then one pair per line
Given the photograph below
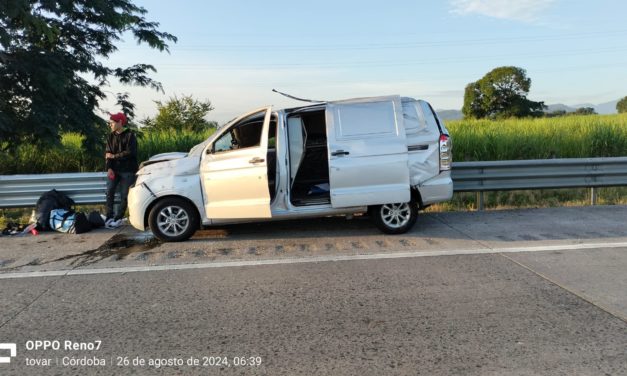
x,y
593,196
479,200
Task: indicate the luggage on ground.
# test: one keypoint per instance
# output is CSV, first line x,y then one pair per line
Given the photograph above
x,y
50,200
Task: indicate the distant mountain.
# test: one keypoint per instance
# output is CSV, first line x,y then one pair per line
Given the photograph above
x,y
561,107
603,109
606,108
450,114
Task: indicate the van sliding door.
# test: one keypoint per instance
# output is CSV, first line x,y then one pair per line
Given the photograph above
x,y
367,152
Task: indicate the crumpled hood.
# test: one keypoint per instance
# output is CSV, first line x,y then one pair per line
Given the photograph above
x,y
170,164
172,155
162,158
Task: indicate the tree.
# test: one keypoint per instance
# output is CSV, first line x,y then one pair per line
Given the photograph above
x,y
53,65
585,111
501,93
556,113
621,106
177,114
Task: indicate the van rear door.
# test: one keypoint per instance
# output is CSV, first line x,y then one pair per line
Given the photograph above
x,y
367,152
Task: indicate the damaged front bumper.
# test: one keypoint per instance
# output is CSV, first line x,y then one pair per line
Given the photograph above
x,y
139,198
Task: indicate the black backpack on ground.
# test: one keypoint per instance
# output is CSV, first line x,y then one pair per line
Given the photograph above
x,y
50,200
81,223
95,219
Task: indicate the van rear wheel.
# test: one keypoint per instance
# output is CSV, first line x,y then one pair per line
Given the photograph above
x,y
395,218
173,220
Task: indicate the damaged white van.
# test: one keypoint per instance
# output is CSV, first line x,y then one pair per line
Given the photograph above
x,y
387,156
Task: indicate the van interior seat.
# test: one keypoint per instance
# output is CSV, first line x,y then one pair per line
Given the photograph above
x,y
310,171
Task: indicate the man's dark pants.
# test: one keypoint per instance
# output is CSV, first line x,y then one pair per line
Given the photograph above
x,y
124,180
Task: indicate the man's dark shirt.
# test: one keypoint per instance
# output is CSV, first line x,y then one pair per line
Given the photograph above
x,y
123,146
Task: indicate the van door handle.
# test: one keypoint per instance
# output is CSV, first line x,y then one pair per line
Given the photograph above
x,y
339,152
417,147
256,160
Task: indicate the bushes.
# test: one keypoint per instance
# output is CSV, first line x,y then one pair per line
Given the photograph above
x,y
70,156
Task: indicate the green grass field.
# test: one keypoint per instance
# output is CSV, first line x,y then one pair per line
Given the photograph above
x,y
559,137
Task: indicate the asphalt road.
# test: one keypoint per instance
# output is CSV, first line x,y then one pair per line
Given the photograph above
x,y
466,302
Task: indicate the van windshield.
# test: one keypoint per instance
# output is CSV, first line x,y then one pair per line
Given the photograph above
x,y
197,149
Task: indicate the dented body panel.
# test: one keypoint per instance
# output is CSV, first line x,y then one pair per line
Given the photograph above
x,y
174,177
422,142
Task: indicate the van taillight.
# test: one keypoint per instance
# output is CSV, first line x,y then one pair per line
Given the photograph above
x,y
446,156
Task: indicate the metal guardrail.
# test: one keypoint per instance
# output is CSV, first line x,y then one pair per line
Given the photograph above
x,y
89,188
539,174
24,190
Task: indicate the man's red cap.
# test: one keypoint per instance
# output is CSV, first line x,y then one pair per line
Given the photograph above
x,y
118,117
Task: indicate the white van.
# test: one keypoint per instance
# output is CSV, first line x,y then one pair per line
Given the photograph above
x,y
388,156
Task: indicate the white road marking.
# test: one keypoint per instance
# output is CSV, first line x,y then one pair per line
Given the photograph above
x,y
304,260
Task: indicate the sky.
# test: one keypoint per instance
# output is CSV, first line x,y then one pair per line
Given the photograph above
x,y
234,52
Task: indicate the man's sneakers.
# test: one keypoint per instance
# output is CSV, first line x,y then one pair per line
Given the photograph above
x,y
113,223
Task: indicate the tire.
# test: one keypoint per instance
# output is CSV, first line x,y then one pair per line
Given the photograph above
x,y
394,218
173,220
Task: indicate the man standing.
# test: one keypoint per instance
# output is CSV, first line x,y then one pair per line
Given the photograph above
x,y
121,165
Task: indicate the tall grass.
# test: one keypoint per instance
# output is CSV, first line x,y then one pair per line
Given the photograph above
x,y
151,143
561,137
71,156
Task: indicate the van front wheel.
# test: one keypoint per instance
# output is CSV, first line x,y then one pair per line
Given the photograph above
x,y
173,220
394,218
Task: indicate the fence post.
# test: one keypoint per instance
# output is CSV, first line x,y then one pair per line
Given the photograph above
x,y
593,196
480,200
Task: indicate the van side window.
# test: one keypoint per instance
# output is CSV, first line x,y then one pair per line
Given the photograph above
x,y
429,116
224,143
413,117
359,120
245,134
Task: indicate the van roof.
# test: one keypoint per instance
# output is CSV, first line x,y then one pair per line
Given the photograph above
x,y
322,104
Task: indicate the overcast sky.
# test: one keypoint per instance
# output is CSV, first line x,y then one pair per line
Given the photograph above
x,y
234,53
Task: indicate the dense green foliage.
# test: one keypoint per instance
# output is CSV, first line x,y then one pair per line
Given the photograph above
x,y
53,70
501,93
181,114
71,156
561,137
621,106
579,111
584,111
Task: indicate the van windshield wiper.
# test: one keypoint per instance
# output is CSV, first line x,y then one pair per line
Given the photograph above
x,y
298,99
